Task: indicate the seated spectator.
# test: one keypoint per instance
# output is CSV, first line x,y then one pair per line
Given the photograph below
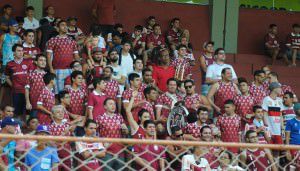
x,y
272,42
293,45
258,125
214,71
73,30
255,158
195,161
147,81
95,70
120,29
147,155
6,18
29,21
174,33
30,51
151,21
116,42
42,157
151,95
20,30
189,51
30,127
90,152
206,59
75,66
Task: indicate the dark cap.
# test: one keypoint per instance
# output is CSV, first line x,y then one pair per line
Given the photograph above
x,y
8,121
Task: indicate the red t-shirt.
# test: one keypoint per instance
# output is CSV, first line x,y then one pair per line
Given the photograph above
x,y
63,50
126,96
192,101
112,89
272,40
193,129
156,40
244,105
224,92
175,35
105,11
183,68
31,50
78,100
150,153
47,100
35,83
257,160
140,133
161,76
110,127
293,40
165,100
17,71
258,92
95,101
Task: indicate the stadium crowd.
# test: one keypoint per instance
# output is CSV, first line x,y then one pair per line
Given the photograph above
x,y
113,84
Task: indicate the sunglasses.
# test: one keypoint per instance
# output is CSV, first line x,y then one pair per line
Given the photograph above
x,y
178,136
188,87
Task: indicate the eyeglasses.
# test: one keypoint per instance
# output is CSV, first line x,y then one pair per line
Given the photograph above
x,y
188,87
113,53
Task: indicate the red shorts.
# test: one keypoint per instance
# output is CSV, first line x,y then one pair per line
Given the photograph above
x,y
277,139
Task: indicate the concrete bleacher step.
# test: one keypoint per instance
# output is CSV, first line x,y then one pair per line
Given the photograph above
x,y
251,59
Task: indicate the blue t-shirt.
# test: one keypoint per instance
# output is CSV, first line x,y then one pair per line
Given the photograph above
x,y
41,160
9,150
293,126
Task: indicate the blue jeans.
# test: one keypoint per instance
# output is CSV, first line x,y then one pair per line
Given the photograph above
x,y
205,89
19,103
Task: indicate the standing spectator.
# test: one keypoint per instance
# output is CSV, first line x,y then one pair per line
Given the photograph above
x,y
182,64
148,80
195,161
151,21
137,127
103,12
42,157
96,69
126,57
257,89
29,21
7,159
30,51
74,31
167,101
293,44
255,158
64,99
138,67
244,102
96,99
118,72
61,51
35,84
112,90
206,59
192,99
150,156
46,99
292,135
222,91
272,106
258,125
230,125
135,83
272,42
78,94
111,125
288,112
16,72
163,71
20,30
214,71
7,41
61,127
6,18
174,33
151,95
87,150
44,33
50,11
75,66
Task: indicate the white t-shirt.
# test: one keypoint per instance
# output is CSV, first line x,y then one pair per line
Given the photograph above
x,y
31,25
188,162
118,72
214,71
127,63
101,42
274,108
